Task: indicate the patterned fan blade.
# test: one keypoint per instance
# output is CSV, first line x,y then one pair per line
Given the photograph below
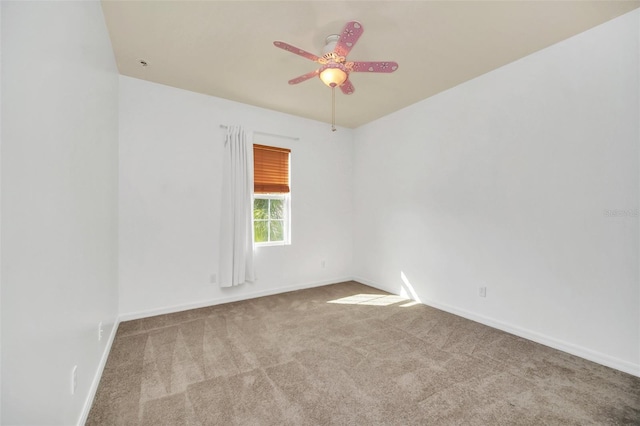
x,y
304,77
296,50
375,66
347,88
348,38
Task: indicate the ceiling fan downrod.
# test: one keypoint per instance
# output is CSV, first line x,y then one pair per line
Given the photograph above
x,y
333,108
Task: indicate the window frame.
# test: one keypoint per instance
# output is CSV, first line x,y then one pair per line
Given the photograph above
x,y
286,226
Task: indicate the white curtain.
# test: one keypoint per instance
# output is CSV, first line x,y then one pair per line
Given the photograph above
x,y
236,233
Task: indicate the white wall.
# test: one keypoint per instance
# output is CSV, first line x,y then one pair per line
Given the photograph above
x,y
59,213
503,182
171,148
0,211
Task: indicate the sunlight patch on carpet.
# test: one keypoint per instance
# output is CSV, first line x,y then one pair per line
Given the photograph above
x,y
370,299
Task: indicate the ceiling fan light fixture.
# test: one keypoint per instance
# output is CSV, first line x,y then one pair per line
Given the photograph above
x,y
335,69
333,75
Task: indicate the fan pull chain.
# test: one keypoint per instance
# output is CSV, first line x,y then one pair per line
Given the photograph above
x,y
333,108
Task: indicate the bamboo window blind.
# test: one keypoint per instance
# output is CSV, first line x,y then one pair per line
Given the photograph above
x,y
270,169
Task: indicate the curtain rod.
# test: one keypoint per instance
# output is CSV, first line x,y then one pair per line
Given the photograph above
x,y
222,126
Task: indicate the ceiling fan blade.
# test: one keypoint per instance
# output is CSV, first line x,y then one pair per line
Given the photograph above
x,y
375,66
296,50
304,77
348,37
347,88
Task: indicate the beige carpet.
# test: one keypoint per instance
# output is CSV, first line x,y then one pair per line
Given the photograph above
x,y
295,359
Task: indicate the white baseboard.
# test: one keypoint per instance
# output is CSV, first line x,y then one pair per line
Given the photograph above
x,y
582,352
96,378
211,302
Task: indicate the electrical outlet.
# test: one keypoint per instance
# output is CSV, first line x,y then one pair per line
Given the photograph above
x,y
100,331
213,278
483,292
323,263
74,379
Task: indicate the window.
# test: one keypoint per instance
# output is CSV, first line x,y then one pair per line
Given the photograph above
x,y
270,224
271,201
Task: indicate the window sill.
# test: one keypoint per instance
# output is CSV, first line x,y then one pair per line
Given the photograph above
x,y
271,244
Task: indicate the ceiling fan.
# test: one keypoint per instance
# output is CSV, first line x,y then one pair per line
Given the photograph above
x,y
335,68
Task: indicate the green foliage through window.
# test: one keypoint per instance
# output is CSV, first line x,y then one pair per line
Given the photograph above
x,y
269,220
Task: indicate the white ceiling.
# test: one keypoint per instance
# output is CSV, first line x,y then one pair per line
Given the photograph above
x,y
225,48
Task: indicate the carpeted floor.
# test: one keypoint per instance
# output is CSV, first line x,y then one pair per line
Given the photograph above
x,y
295,359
